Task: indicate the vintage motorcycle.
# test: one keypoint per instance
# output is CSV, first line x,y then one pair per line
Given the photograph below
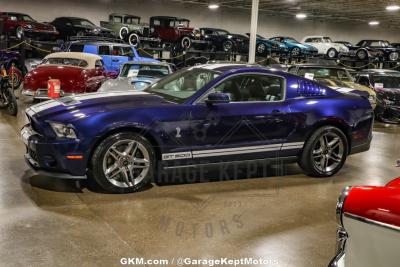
x,y
8,100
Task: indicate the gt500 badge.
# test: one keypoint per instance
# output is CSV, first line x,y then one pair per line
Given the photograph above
x,y
174,156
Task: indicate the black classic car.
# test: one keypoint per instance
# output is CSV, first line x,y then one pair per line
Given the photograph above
x,y
375,50
222,40
386,84
73,26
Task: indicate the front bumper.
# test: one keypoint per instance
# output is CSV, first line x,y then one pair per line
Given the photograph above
x,y
339,259
48,158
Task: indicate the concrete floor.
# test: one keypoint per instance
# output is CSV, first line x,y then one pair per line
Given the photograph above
x,y
289,219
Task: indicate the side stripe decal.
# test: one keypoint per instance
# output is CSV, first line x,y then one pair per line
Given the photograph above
x,y
231,151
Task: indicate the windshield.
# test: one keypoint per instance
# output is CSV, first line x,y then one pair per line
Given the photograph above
x,y
222,32
131,20
26,18
387,81
291,40
182,23
134,70
82,22
65,62
184,83
321,74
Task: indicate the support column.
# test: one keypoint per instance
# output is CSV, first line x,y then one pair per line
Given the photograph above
x,y
253,31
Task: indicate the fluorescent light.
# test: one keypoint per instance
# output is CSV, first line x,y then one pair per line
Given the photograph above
x,y
373,23
301,16
393,8
213,6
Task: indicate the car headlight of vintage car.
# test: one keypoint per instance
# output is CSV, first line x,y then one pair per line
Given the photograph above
x,y
394,56
28,26
340,203
63,130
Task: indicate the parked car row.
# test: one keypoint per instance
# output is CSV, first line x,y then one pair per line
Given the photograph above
x,y
177,33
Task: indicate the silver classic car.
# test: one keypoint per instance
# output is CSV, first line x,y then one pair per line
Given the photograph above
x,y
136,75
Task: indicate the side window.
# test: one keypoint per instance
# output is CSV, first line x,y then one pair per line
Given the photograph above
x,y
252,88
104,50
156,22
117,19
308,40
99,64
293,70
118,51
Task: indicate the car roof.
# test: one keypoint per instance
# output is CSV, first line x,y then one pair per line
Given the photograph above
x,y
226,67
155,63
168,17
123,14
316,36
379,71
314,65
99,43
89,58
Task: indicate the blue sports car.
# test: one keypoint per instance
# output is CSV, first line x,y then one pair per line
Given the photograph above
x,y
296,48
207,114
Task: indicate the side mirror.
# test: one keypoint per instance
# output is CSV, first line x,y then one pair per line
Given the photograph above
x,y
217,98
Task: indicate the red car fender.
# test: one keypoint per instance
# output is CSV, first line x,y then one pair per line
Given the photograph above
x,y
377,203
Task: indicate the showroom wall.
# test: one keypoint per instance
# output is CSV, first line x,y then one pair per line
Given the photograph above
x,y
232,19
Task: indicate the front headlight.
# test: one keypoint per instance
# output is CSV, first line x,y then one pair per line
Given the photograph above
x,y
340,203
29,26
62,130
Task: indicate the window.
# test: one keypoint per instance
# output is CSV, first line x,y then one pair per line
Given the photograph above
x,y
117,19
99,63
65,62
156,22
182,84
363,81
293,70
76,48
123,51
104,50
252,88
152,70
131,20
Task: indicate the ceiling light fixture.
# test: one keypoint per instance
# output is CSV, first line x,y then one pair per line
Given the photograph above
x,y
213,6
301,16
373,23
393,8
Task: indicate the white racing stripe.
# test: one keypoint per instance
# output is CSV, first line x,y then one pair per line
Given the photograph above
x,y
232,151
54,103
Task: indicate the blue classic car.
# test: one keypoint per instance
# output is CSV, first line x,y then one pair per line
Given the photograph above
x,y
207,114
114,55
296,48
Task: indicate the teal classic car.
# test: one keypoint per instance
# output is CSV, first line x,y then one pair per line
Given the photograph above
x,y
129,29
265,47
296,48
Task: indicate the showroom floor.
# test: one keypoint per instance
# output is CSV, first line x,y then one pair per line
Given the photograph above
x,y
289,219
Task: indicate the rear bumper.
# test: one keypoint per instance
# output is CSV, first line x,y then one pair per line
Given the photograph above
x,y
42,94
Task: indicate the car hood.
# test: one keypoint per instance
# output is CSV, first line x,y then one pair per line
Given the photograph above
x,y
69,109
40,26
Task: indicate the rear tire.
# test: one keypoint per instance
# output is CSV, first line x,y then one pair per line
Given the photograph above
x,y
134,40
325,152
123,163
332,53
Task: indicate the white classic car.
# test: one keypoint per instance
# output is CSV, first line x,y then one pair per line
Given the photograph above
x,y
326,46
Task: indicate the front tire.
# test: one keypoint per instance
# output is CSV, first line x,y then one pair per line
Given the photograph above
x,y
186,42
325,152
123,163
295,52
19,33
134,40
261,49
227,46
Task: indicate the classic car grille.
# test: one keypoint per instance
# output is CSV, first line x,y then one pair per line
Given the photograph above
x,y
146,31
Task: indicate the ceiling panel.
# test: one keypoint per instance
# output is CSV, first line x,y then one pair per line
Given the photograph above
x,y
337,10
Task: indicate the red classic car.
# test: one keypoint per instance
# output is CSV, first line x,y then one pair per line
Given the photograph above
x,y
78,73
176,31
369,226
23,26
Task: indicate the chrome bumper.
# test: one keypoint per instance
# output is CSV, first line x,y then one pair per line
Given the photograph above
x,y
41,94
338,260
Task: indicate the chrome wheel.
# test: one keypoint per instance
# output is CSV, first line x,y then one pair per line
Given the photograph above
x,y
186,42
261,48
394,56
19,33
134,40
332,53
227,46
126,163
295,51
361,55
123,33
328,152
